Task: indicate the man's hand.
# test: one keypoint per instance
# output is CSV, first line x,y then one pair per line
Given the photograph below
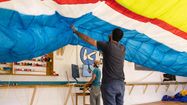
x,y
73,28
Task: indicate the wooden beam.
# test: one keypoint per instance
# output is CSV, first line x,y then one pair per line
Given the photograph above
x,y
176,87
183,86
81,85
145,89
167,87
33,96
68,95
157,88
131,89
72,99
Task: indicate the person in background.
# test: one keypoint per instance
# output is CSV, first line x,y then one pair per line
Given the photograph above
x,y
95,84
113,86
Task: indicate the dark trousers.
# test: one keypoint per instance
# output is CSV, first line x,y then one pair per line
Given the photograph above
x,y
113,92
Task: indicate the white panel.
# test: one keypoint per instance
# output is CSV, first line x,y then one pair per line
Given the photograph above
x,y
106,13
38,7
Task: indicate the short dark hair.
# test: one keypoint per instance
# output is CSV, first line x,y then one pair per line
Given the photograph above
x,y
117,34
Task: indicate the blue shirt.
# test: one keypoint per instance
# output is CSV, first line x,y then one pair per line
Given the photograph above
x,y
97,72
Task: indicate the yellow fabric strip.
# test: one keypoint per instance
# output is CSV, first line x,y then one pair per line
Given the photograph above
x,y
172,12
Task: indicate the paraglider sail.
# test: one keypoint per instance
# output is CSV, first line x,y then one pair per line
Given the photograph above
x,y
27,35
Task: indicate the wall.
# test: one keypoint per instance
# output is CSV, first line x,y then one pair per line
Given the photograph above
x,y
56,96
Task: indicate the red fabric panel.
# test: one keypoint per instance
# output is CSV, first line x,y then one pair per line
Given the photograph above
x,y
75,1
4,0
138,17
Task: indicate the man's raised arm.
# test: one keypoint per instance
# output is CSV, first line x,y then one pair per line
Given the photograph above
x,y
84,37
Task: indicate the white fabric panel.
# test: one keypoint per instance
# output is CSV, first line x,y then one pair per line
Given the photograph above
x,y
108,14
75,10
39,7
31,7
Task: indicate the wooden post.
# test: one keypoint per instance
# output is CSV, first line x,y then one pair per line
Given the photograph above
x,y
145,88
12,66
84,90
183,86
157,88
67,76
49,68
76,99
69,94
131,89
72,99
167,87
177,85
33,96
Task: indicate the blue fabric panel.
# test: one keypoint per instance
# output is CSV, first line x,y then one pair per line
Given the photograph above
x,y
139,48
26,36
177,97
167,98
183,99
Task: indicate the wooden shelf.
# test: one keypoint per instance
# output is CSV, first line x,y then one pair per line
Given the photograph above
x,y
3,71
158,84
164,103
29,66
6,65
31,74
44,70
32,70
155,83
33,61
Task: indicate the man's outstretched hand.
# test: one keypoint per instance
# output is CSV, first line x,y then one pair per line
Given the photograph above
x,y
73,28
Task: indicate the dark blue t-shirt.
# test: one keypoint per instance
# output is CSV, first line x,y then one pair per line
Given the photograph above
x,y
113,61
